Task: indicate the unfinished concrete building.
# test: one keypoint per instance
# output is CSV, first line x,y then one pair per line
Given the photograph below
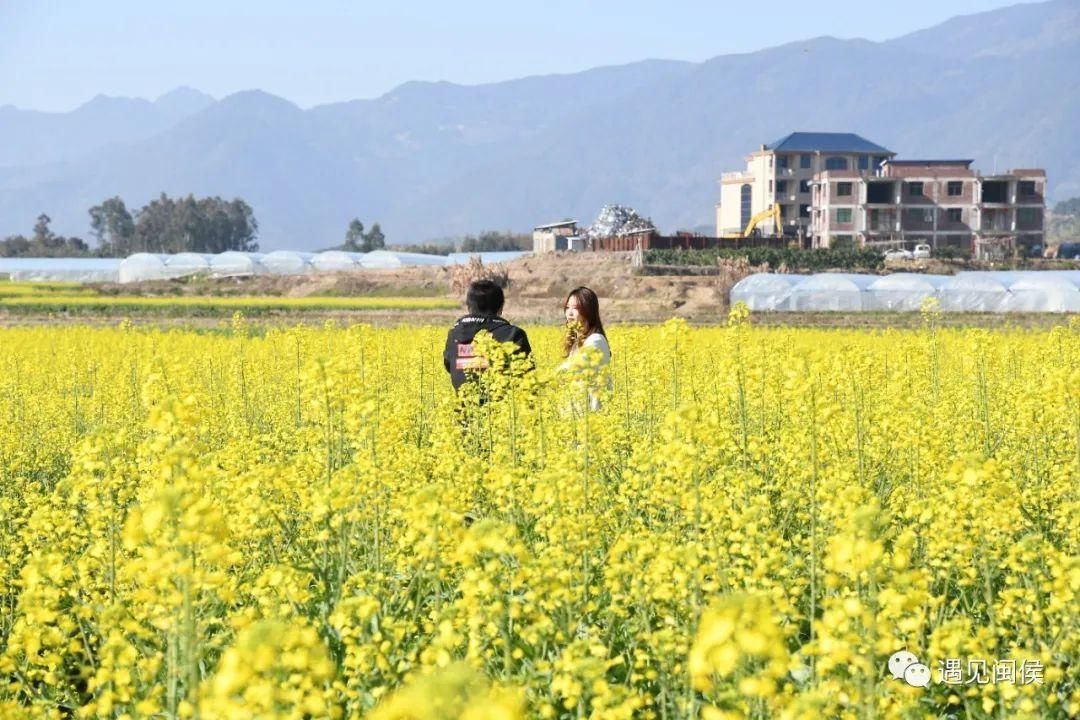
x,y
940,203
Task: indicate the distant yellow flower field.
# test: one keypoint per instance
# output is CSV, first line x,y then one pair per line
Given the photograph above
x,y
304,522
199,304
10,289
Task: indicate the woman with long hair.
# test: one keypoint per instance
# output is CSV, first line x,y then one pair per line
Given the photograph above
x,y
583,325
584,329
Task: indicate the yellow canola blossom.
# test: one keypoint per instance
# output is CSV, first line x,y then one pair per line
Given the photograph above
x,y
292,522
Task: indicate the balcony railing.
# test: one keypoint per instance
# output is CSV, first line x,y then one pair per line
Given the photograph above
x,y
996,226
884,223
996,222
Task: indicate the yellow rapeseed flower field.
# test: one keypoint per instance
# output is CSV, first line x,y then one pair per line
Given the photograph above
x,y
85,303
302,522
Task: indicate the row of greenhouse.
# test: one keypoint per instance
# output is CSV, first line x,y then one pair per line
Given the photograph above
x,y
975,291
154,266
146,266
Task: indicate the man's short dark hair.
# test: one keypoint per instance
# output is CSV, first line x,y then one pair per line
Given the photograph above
x,y
485,298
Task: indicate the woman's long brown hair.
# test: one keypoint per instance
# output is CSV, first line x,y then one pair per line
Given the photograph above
x,y
589,310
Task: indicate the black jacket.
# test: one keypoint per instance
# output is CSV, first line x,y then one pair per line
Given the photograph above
x,y
458,356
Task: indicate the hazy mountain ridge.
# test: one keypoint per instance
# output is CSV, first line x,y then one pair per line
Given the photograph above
x,y
39,138
1006,32
429,160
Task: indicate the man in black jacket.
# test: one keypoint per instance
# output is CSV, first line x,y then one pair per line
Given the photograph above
x,y
485,301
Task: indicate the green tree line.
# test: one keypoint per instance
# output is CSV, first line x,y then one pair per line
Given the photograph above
x,y
793,259
164,225
486,241
172,225
43,242
212,225
1063,225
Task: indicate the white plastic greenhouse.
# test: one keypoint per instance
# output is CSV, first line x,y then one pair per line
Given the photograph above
x,y
183,264
387,259
1039,292
150,266
975,292
766,291
143,266
843,292
902,292
158,266
288,262
235,264
337,261
1072,276
60,269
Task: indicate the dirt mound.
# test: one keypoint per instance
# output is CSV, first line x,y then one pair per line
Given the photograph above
x,y
537,287
403,282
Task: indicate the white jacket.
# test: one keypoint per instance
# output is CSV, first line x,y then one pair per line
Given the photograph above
x,y
599,343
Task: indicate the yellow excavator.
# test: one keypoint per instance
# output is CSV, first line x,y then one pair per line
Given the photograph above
x,y
773,211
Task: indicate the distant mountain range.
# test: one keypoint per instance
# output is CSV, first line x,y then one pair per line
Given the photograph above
x,y
432,160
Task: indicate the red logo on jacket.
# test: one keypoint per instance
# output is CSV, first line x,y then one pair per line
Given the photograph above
x,y
467,359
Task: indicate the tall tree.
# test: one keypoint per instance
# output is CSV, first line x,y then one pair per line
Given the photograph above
x,y
113,227
374,239
354,235
43,234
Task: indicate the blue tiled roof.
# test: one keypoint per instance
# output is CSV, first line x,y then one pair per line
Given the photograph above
x,y
827,142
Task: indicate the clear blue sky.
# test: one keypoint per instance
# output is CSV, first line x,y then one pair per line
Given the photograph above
x,y
57,55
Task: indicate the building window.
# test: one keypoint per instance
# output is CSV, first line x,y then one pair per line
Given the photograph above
x,y
956,215
955,188
915,218
1027,216
781,161
843,189
879,192
1027,188
804,211
843,215
770,187
746,196
781,187
836,163
864,162
804,161
804,186
915,189
928,216
995,191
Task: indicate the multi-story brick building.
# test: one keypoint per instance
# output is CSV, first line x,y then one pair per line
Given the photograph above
x,y
942,203
783,173
839,189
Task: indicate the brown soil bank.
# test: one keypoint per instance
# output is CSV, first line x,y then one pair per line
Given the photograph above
x,y
537,287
